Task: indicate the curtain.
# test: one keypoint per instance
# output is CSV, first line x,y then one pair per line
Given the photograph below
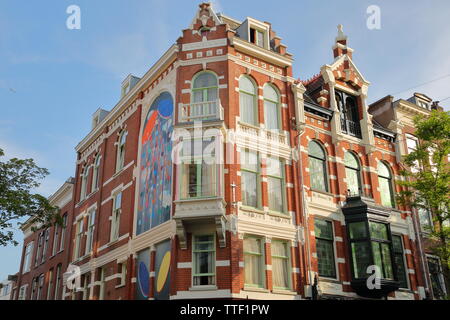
x,y
247,103
271,115
249,187
317,174
280,268
252,261
275,194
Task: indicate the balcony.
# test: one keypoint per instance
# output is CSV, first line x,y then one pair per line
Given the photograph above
x,y
195,212
259,134
351,128
201,111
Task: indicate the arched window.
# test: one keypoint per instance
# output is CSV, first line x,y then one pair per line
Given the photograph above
x,y
317,167
247,101
121,151
96,174
84,178
352,173
205,88
385,182
348,108
271,108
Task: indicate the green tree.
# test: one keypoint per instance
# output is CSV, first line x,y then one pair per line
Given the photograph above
x,y
427,181
18,179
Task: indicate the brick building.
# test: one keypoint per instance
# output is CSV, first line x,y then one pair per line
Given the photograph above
x,y
220,175
398,116
45,253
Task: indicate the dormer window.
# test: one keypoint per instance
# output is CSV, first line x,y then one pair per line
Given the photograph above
x,y
348,108
257,37
423,104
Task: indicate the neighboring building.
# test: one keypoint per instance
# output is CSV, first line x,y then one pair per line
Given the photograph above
x,y
399,116
219,175
6,288
45,253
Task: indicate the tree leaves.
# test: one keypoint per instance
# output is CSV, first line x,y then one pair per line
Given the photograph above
x,y
18,179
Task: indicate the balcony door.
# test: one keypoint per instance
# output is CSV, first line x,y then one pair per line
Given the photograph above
x,y
348,108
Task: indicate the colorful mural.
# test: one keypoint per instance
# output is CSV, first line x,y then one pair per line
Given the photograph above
x,y
162,271
155,184
143,275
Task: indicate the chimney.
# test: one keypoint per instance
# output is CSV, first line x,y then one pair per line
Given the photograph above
x,y
340,47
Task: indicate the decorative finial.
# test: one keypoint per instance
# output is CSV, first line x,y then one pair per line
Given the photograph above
x,y
341,35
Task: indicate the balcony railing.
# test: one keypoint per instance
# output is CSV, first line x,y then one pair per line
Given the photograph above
x,y
351,128
201,111
262,134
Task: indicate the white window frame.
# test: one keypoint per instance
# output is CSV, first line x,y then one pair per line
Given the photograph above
x,y
96,174
258,173
84,178
63,233
27,257
283,184
90,232
121,147
115,217
23,292
78,238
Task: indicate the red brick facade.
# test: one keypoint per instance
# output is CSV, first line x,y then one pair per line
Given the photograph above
x,y
307,111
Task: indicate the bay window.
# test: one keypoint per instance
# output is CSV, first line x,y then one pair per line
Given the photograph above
x,y
370,244
275,184
254,262
317,167
204,258
325,248
199,169
250,177
352,174
271,108
281,270
248,101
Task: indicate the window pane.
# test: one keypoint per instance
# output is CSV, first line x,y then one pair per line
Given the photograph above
x,y
325,257
280,272
383,170
315,150
275,194
205,80
378,231
323,229
317,174
260,38
248,108
387,262
249,160
352,178
424,218
399,261
252,270
351,161
245,84
358,230
361,256
252,245
249,189
386,192
271,115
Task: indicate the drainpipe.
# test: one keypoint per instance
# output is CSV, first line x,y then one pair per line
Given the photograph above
x,y
309,280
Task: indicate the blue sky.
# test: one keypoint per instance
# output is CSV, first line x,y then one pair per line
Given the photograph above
x,y
53,79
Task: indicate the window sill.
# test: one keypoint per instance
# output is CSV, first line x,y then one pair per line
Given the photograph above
x,y
122,285
198,199
323,192
251,209
256,289
287,292
279,214
329,280
203,288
